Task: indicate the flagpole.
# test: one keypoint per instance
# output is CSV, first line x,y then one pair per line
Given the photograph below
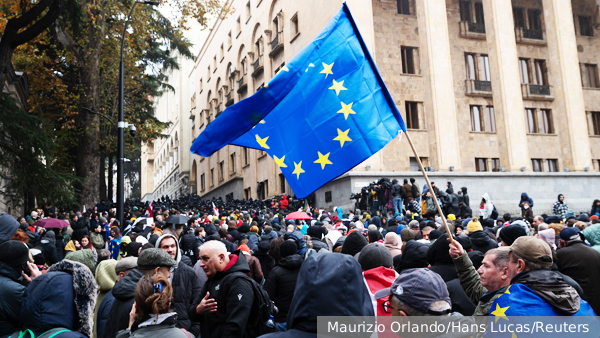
x,y
430,187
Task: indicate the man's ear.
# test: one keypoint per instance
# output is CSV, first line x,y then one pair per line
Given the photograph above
x,y
402,314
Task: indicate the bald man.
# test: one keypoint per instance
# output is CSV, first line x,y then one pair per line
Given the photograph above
x,y
225,302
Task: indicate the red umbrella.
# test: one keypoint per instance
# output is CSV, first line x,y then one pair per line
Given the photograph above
x,y
298,215
51,223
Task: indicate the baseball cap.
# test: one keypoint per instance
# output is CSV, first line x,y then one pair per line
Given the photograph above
x,y
418,288
569,234
532,249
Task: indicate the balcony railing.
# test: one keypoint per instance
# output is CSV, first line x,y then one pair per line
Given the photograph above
x,y
229,99
530,36
275,41
257,65
276,44
242,86
537,92
476,27
536,34
479,88
228,96
218,110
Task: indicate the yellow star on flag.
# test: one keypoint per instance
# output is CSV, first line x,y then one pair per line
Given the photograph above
x,y
327,69
346,110
499,312
323,160
279,161
508,289
342,137
513,335
262,141
337,86
298,170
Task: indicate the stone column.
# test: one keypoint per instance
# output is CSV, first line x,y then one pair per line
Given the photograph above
x,y
570,119
506,85
439,89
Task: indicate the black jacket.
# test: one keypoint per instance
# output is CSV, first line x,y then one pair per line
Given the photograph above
x,y
281,284
582,263
267,263
186,288
187,243
482,242
11,294
235,234
234,297
103,313
460,301
123,292
318,244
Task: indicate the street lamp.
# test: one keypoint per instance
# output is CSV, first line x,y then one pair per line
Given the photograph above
x,y
121,124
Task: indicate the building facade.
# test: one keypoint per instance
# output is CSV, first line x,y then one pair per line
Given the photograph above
x,y
486,88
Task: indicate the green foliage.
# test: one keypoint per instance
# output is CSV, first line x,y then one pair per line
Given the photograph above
x,y
28,154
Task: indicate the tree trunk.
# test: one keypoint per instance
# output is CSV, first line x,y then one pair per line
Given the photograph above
x,y
102,176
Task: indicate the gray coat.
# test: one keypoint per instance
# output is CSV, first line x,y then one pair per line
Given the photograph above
x,y
154,331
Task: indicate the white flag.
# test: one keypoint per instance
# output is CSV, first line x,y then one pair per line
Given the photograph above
x,y
215,210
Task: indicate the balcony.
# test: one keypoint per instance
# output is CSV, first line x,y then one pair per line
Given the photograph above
x,y
537,92
530,36
242,85
472,30
229,99
478,88
218,110
192,115
258,66
276,44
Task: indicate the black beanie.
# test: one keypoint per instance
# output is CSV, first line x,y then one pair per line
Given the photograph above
x,y
375,255
510,233
288,248
14,254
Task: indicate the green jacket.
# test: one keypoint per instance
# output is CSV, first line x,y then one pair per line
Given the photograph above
x,y
470,282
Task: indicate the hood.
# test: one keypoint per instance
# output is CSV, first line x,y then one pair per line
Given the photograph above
x,y
353,243
524,196
65,296
331,238
106,275
291,262
414,255
376,221
464,190
393,241
125,288
479,238
49,237
178,256
439,251
592,234
558,198
552,288
329,284
8,227
84,256
240,265
299,238
486,197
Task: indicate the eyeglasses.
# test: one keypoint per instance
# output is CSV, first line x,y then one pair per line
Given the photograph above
x,y
387,308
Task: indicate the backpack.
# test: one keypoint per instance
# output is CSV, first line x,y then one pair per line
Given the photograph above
x,y
262,307
48,334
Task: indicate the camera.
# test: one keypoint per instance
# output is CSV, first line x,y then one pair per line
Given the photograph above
x,y
132,130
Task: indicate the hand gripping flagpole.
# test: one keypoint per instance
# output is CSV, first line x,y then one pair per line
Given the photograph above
x,y
429,185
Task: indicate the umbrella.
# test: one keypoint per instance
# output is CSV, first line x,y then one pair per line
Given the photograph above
x,y
298,215
177,219
51,223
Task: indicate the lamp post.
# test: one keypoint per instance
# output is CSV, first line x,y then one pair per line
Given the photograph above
x,y
121,125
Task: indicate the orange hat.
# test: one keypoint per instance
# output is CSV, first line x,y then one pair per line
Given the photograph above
x,y
244,248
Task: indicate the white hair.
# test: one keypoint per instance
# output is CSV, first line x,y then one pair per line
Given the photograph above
x,y
290,228
217,247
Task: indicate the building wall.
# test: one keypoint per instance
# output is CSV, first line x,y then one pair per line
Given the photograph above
x,y
440,87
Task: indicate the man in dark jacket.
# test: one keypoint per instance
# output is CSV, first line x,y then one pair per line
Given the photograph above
x,y
8,227
14,255
232,230
580,262
406,192
282,281
225,302
416,194
397,196
266,261
186,286
149,262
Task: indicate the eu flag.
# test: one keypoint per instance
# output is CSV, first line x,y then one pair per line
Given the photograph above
x,y
325,112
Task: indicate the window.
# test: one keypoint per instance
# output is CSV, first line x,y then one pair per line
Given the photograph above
x,y
595,119
484,64
479,13
212,177
519,17
208,74
476,119
403,7
541,73
232,157
545,122
585,26
414,165
282,183
531,121
221,165
490,119
294,25
246,159
328,198
535,20
408,63
536,165
238,26
248,13
276,25
265,189
412,115
229,40
481,164
200,89
591,76
470,65
524,69
465,11
495,164
214,63
247,193
222,53
202,183
550,166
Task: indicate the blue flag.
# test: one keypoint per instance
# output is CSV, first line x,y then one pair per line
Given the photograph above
x,y
325,112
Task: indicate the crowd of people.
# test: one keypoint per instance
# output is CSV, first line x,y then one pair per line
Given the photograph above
x,y
207,268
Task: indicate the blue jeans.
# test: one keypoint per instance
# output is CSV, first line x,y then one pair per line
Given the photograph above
x,y
281,327
398,205
375,207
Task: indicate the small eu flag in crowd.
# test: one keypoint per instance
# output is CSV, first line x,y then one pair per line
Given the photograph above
x,y
325,112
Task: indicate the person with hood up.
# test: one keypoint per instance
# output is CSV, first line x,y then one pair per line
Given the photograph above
x,y
225,303
560,208
283,204
267,263
151,316
414,255
106,277
592,235
48,246
480,241
392,242
316,236
354,243
185,282
253,238
15,255
282,281
85,257
150,262
377,265
60,303
525,198
325,294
